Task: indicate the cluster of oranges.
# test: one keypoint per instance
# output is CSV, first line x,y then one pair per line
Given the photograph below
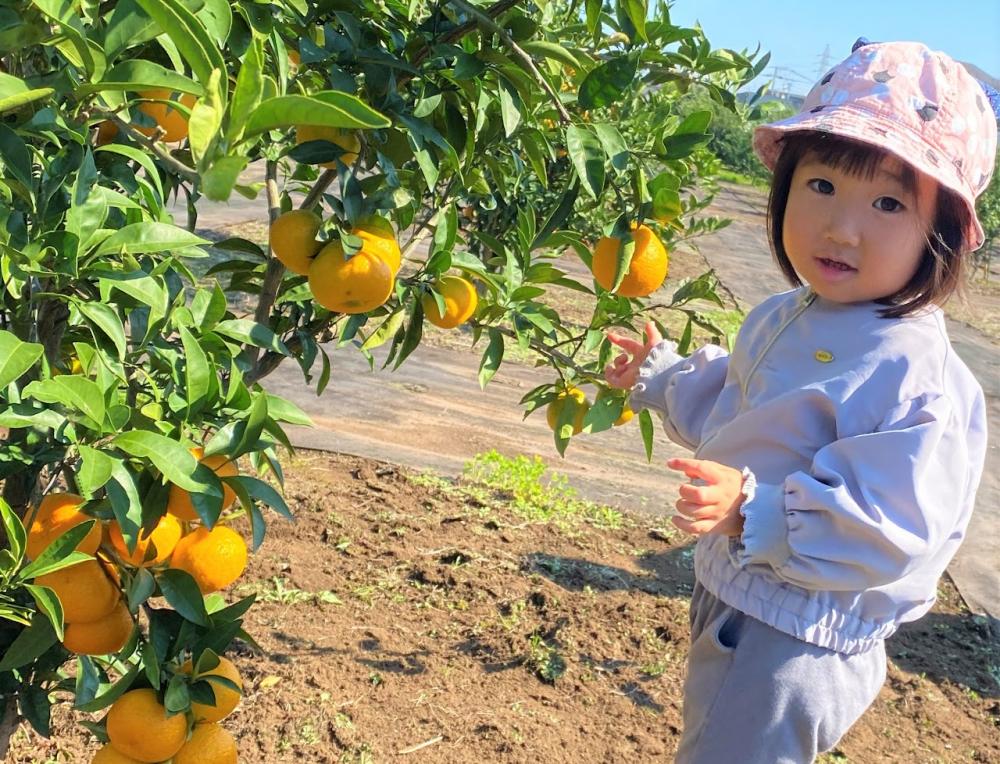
x,y
363,281
140,729
98,621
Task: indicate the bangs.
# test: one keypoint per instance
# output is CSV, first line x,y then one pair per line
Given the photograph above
x,y
860,160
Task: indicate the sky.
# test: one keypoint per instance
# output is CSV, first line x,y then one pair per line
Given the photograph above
x,y
798,31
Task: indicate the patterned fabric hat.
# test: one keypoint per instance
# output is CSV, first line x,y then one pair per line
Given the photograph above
x,y
915,103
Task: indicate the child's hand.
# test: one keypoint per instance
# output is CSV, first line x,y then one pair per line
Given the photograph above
x,y
713,507
622,373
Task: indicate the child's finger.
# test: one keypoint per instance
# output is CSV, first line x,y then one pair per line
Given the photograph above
x,y
627,344
653,336
691,467
698,494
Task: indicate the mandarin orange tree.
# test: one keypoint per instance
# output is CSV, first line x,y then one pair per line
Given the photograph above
x,y
438,161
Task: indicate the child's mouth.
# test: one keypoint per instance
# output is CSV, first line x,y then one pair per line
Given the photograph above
x,y
834,265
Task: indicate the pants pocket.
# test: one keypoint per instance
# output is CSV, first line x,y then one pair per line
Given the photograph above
x,y
725,631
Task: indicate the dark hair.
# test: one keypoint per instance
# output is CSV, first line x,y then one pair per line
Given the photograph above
x,y
942,268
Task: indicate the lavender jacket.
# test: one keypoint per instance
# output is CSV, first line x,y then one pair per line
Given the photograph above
x,y
866,437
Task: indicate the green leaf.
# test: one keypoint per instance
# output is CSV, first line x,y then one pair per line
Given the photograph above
x,y
588,156
60,553
249,332
30,644
169,456
189,35
49,604
218,180
552,50
385,331
15,157
636,11
105,318
208,307
75,393
142,158
608,83
262,492
206,121
183,594
139,74
330,108
646,428
614,145
114,691
198,374
27,415
16,535
142,238
247,431
510,108
492,358
95,469
249,89
412,335
283,410
15,93
16,357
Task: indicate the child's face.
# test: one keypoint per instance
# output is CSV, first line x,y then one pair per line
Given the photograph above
x,y
853,239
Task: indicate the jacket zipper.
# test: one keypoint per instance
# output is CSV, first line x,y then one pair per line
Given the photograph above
x,y
806,302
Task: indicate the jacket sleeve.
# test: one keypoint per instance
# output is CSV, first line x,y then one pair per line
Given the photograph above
x,y
871,508
682,390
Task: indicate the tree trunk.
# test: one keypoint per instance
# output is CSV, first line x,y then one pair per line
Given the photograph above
x,y
9,723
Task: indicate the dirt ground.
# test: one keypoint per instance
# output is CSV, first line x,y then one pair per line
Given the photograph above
x,y
407,618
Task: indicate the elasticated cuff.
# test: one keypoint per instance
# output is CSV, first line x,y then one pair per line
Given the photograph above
x,y
650,390
765,528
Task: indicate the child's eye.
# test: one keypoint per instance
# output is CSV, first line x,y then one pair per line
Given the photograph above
x,y
888,204
821,186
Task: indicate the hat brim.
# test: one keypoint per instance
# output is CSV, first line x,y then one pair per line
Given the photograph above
x,y
849,121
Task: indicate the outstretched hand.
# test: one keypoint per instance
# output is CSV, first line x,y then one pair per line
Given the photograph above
x,y
713,507
624,371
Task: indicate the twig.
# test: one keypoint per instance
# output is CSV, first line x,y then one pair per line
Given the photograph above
x,y
419,746
322,183
555,355
174,165
497,9
275,268
519,53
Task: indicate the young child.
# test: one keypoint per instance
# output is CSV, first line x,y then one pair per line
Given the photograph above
x,y
839,446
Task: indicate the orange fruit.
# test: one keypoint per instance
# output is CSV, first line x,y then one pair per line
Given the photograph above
x,y
356,285
380,240
460,301
576,399
294,59
107,131
101,637
108,755
347,140
179,502
293,239
173,122
209,744
138,726
164,538
645,273
84,589
214,558
57,513
226,699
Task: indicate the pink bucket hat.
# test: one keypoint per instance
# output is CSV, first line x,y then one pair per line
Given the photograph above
x,y
915,103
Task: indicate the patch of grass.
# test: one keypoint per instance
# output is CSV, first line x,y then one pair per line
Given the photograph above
x,y
535,494
545,660
276,589
737,177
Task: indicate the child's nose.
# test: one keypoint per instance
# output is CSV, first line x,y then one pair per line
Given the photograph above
x,y
843,228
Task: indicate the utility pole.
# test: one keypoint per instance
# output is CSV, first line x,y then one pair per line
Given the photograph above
x,y
825,59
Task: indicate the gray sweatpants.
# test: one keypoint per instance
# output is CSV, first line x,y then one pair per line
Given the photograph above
x,y
755,695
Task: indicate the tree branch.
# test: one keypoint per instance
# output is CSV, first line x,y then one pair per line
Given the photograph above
x,y
488,23
175,166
